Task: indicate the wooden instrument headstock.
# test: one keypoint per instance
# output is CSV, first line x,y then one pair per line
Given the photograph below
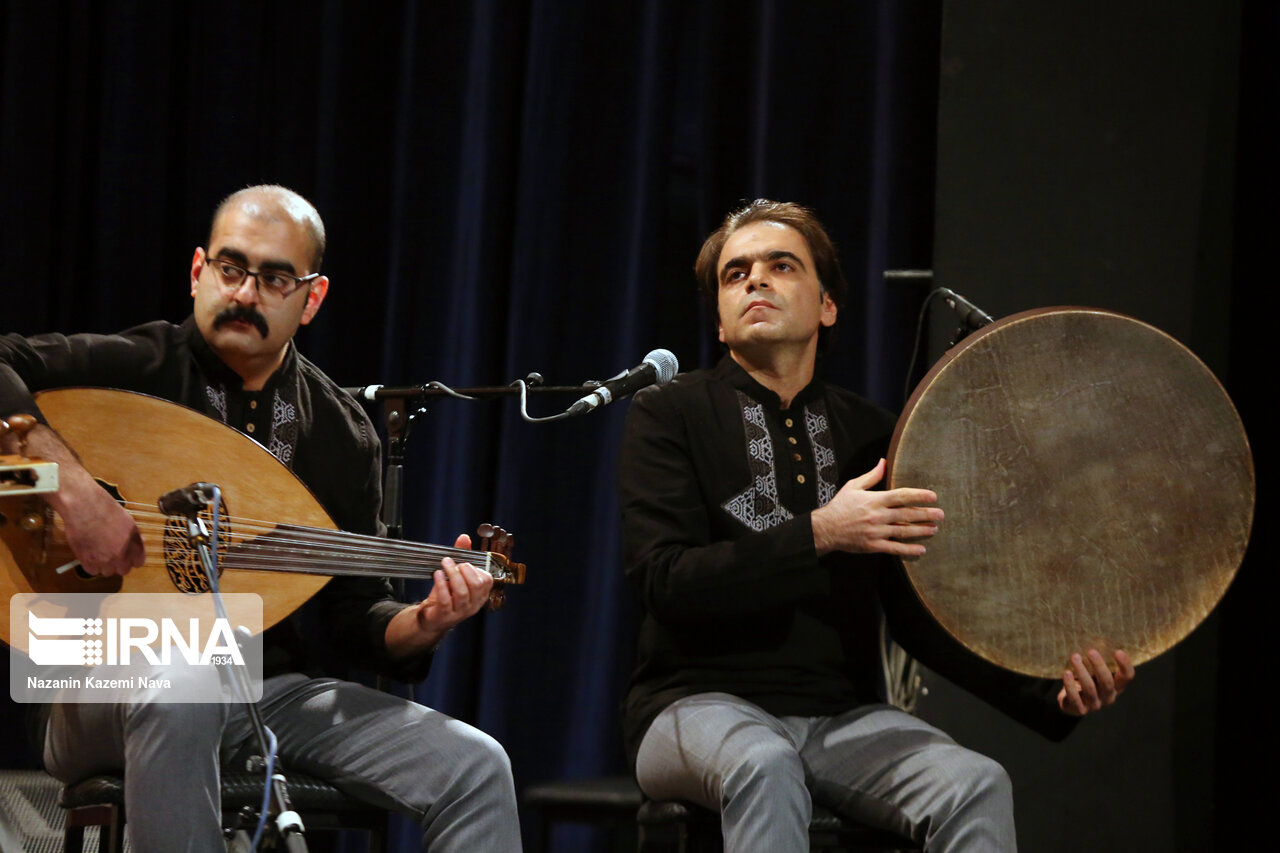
x,y
498,543
20,475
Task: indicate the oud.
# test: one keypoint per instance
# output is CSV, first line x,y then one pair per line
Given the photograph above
x,y
275,538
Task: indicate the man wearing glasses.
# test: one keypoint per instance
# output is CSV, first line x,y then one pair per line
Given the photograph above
x,y
254,284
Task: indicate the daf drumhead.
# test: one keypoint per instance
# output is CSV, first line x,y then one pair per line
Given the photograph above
x,y
1097,484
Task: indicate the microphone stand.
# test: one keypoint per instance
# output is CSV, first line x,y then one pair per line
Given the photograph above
x,y
403,405
288,823
971,317
401,408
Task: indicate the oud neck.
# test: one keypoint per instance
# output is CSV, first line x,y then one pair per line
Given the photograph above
x,y
339,554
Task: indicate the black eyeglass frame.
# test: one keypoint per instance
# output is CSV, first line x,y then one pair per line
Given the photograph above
x,y
284,291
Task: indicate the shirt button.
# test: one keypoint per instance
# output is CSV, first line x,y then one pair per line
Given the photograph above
x,y
249,428
795,456
791,438
789,422
253,404
799,478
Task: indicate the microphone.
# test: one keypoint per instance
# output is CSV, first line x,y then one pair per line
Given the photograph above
x,y
971,316
657,369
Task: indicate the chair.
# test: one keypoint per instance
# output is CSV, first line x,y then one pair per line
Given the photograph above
x,y
608,801
670,825
99,801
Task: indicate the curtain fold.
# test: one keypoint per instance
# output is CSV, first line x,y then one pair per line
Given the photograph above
x,y
508,186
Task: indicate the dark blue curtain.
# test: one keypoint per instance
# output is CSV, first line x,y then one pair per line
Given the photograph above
x,y
509,186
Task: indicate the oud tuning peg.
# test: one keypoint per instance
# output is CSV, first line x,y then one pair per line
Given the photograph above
x,y
19,425
494,538
502,541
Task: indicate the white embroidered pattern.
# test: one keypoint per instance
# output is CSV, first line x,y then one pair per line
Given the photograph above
x,y
218,399
824,455
284,430
757,506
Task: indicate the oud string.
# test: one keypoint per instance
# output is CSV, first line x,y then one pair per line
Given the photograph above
x,y
259,545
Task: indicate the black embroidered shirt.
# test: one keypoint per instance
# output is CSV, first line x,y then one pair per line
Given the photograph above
x,y
717,485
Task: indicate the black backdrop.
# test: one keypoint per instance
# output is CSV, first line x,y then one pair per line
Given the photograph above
x,y
511,186
1088,158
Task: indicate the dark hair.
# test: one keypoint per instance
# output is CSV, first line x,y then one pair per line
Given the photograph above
x,y
826,259
295,206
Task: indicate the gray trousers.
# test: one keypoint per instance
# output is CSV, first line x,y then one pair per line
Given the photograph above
x,y
875,764
453,779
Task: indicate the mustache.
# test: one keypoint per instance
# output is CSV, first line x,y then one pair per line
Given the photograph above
x,y
245,313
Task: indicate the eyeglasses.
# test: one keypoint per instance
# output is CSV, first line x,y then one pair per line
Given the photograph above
x,y
268,282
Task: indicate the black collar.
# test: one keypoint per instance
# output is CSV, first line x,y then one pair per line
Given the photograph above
x,y
732,372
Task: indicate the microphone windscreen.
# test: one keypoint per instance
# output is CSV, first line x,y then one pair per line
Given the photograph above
x,y
664,364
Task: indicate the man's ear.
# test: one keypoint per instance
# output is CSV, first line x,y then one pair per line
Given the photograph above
x,y
319,290
197,264
829,309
